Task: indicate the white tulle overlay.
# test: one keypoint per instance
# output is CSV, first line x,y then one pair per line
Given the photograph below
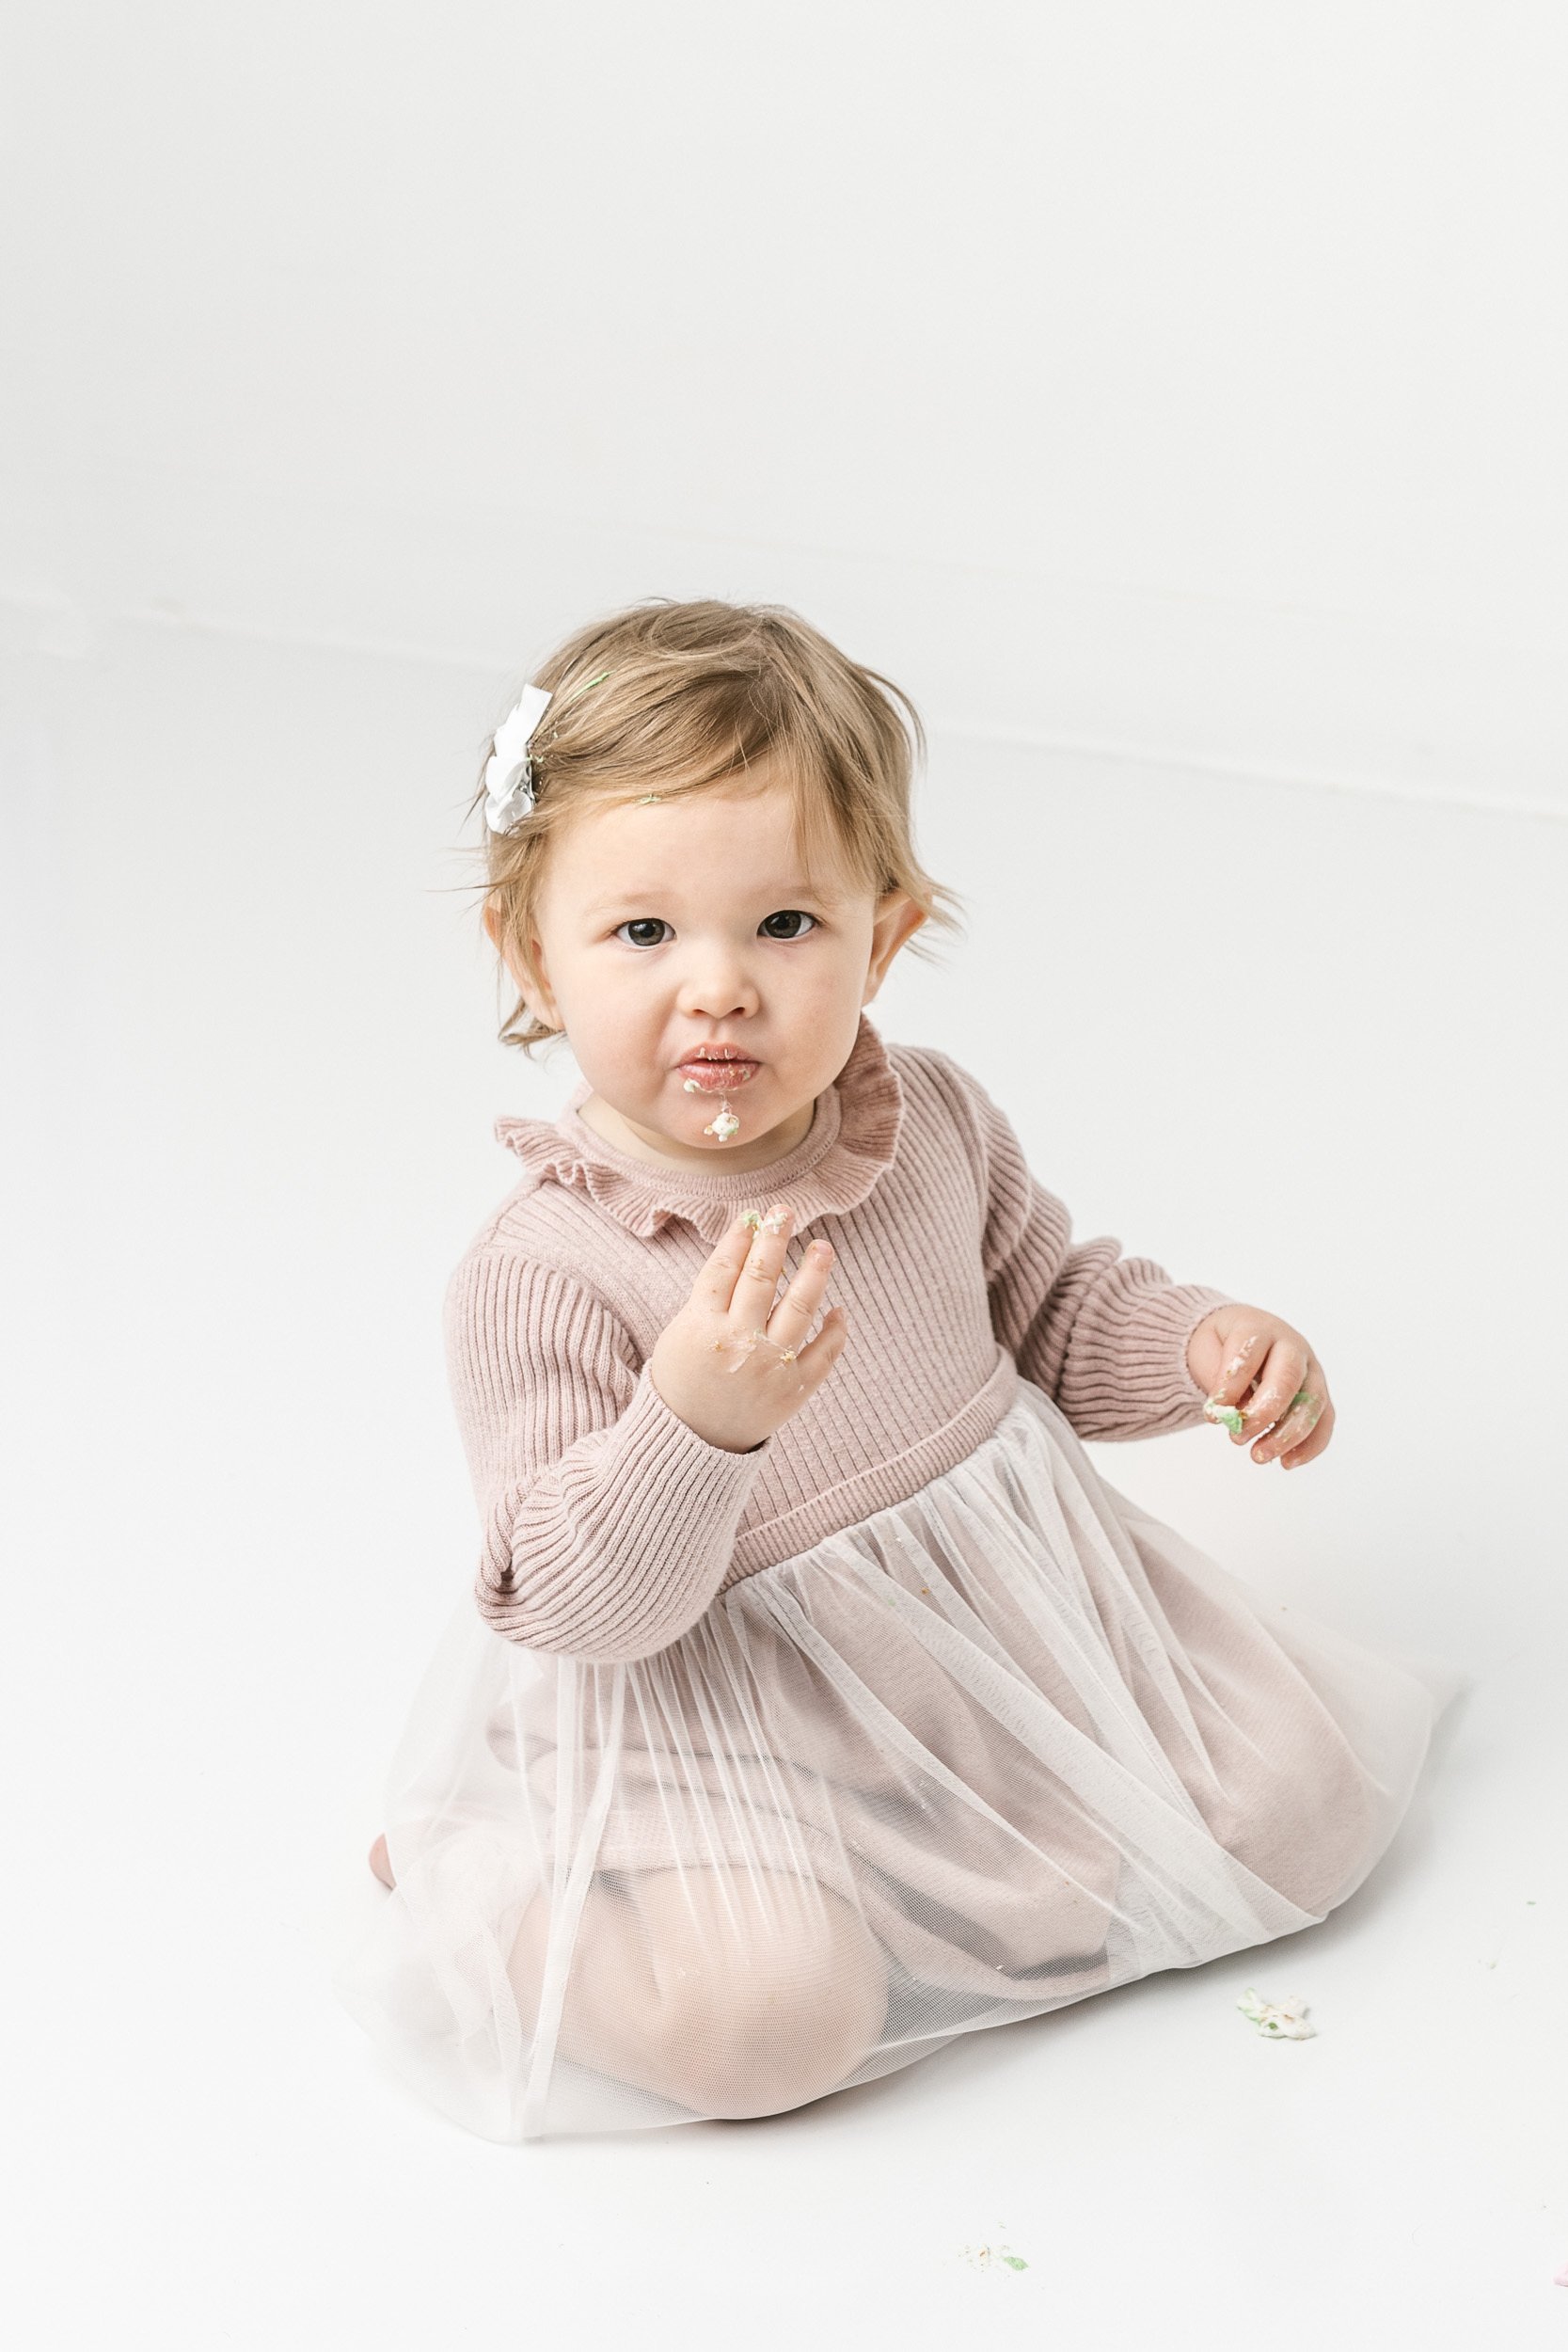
x,y
1002,1745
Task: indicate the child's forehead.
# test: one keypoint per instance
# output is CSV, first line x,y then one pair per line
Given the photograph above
x,y
700,847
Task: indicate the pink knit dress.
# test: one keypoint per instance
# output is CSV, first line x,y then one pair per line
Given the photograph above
x,y
914,1650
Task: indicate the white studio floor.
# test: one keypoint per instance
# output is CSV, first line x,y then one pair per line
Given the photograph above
x,y
1304,1043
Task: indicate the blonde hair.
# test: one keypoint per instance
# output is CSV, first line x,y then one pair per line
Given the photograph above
x,y
683,698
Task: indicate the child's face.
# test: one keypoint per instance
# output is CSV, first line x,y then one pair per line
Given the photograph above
x,y
666,926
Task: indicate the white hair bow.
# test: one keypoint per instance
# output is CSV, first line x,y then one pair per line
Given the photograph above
x,y
509,771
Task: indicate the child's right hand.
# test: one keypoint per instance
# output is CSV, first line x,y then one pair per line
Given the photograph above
x,y
732,1390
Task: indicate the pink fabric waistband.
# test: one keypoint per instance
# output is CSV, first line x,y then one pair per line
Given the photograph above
x,y
892,1481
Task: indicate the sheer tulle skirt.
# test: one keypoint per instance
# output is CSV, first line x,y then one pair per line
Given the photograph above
x,y
1000,1746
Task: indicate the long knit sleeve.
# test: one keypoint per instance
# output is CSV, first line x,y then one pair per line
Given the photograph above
x,y
1104,1336
608,1521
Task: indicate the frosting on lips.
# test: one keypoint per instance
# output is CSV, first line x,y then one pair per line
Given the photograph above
x,y
713,1077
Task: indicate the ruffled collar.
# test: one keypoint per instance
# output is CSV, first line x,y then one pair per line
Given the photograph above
x,y
852,1137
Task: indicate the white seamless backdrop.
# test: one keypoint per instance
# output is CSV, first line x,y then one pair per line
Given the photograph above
x,y
1182,382
1170,398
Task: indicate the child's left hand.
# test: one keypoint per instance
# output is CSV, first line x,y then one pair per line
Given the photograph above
x,y
1291,1413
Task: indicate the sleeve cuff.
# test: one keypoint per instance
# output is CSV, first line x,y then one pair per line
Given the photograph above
x,y
1167,1319
648,1418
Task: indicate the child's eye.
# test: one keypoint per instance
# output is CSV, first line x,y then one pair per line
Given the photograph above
x,y
645,923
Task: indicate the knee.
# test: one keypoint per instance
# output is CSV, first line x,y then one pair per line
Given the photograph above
x,y
733,2014
782,2024
1304,1827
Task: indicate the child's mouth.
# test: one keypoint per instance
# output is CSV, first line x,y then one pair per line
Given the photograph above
x,y
713,1077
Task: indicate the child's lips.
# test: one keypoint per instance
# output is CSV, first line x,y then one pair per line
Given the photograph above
x,y
715,1077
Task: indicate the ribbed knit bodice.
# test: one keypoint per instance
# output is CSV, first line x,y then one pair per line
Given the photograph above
x,y
609,1525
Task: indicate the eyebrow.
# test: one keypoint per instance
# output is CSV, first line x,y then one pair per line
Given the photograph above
x,y
786,892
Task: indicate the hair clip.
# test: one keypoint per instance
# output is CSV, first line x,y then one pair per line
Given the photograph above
x,y
509,771
510,791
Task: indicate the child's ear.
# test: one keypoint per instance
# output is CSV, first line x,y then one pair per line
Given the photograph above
x,y
520,979
535,985
897,918
534,988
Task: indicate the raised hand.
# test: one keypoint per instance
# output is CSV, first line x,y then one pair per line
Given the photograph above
x,y
735,1362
